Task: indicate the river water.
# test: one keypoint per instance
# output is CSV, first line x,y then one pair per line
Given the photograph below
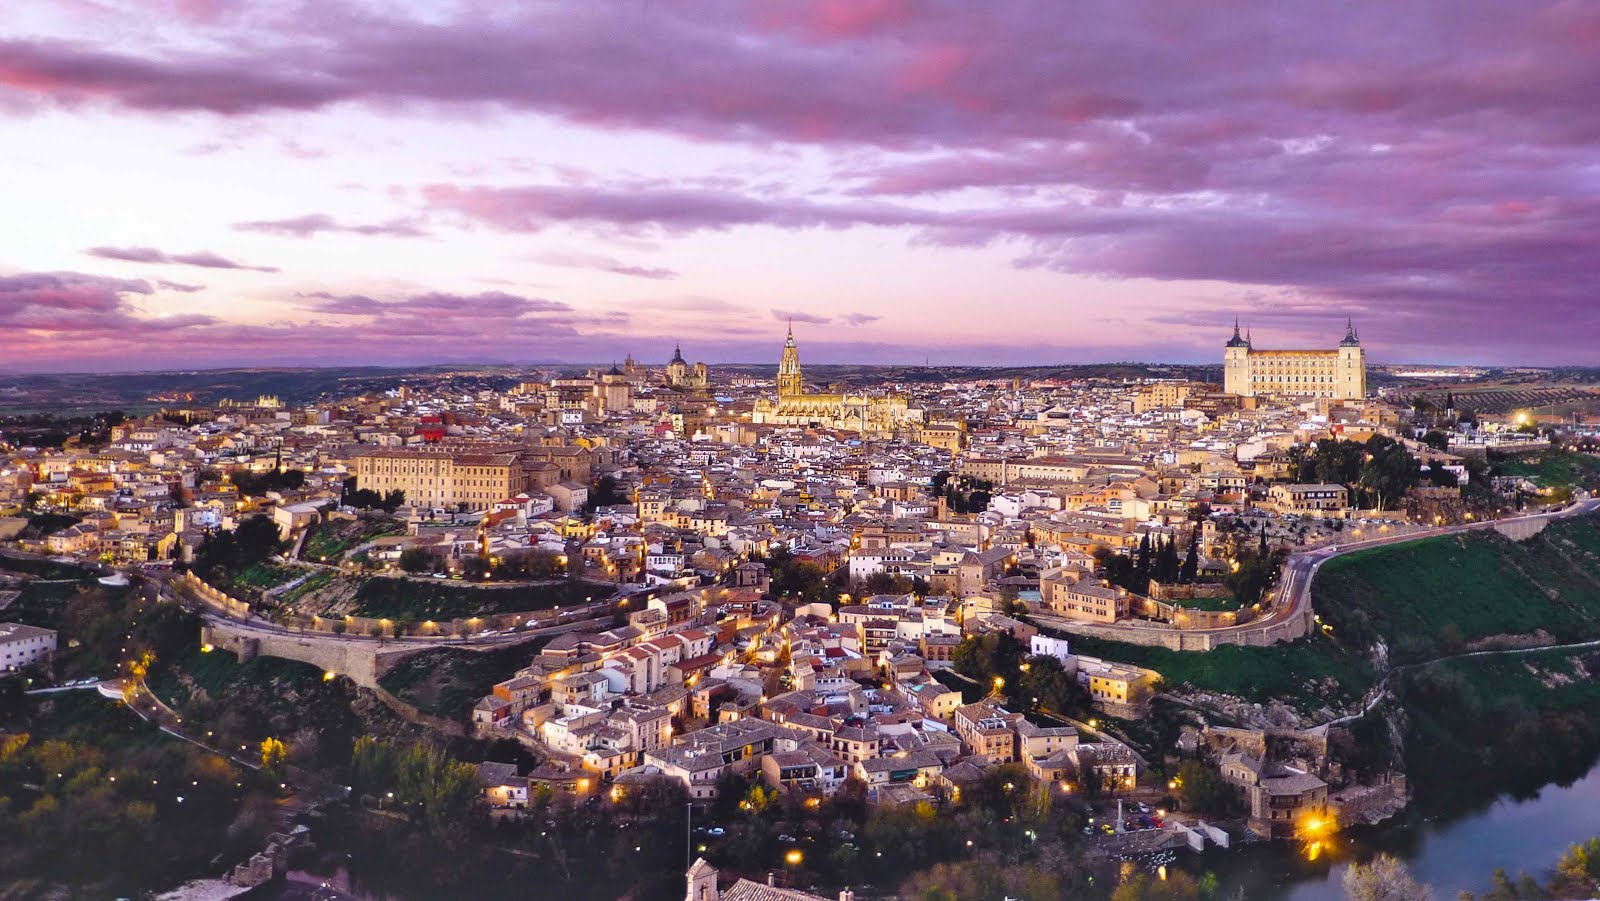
x,y
1460,853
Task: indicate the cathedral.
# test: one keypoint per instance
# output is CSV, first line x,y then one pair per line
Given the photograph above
x,y
867,414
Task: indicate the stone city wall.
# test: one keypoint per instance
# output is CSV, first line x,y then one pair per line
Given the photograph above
x,y
227,605
358,660
1252,634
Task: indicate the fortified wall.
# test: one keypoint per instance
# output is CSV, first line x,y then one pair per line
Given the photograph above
x,y
355,659
1252,634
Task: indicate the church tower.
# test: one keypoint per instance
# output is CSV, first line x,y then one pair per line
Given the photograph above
x,y
790,383
678,368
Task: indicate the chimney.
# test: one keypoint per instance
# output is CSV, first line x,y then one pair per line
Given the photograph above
x,y
846,895
772,878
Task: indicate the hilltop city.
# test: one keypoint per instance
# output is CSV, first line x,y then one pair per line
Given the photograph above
x,y
745,620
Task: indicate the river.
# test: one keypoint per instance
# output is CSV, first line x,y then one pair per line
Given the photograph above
x,y
1451,855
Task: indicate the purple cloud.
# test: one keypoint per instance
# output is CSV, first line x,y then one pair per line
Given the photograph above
x,y
487,306
800,316
1410,159
652,210
41,313
204,259
599,263
314,223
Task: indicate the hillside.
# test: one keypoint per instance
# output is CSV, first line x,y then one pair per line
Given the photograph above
x,y
1425,599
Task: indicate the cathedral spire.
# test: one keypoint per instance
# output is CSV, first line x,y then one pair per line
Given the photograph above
x,y
789,380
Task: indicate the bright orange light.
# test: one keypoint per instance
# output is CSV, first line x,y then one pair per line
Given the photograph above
x,y
794,857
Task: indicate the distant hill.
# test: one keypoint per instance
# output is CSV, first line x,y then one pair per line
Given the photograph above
x,y
136,392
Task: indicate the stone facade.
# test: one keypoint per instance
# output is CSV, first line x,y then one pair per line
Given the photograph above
x,y
1340,374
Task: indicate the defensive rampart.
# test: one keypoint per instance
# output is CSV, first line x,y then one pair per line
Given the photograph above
x,y
1252,634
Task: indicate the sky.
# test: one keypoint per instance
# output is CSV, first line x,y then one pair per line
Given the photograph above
x,y
205,183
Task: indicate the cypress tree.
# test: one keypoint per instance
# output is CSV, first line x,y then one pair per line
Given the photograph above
x,y
1191,560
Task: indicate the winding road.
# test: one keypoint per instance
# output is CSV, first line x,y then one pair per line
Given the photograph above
x,y
1292,596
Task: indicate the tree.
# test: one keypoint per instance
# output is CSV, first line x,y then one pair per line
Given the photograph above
x,y
1119,568
1179,886
983,657
1142,567
225,553
435,788
606,494
372,765
1191,560
1253,573
274,756
417,560
1166,565
279,479
1202,789
1044,684
1578,871
474,568
1384,878
1440,477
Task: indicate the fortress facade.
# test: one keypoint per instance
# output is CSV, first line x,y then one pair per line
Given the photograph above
x,y
1340,373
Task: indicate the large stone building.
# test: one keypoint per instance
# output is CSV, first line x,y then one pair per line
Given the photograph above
x,y
684,377
867,414
470,474
1340,374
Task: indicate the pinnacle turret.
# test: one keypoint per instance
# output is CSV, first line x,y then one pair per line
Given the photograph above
x,y
1236,340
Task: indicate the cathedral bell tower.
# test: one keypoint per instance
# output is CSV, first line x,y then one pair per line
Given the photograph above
x,y
790,383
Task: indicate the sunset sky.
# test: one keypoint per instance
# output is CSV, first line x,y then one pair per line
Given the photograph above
x,y
197,183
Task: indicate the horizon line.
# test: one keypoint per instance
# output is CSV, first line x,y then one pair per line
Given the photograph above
x,y
556,364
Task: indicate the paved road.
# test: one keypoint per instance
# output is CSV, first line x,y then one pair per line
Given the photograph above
x,y
1300,569
1292,596
600,611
